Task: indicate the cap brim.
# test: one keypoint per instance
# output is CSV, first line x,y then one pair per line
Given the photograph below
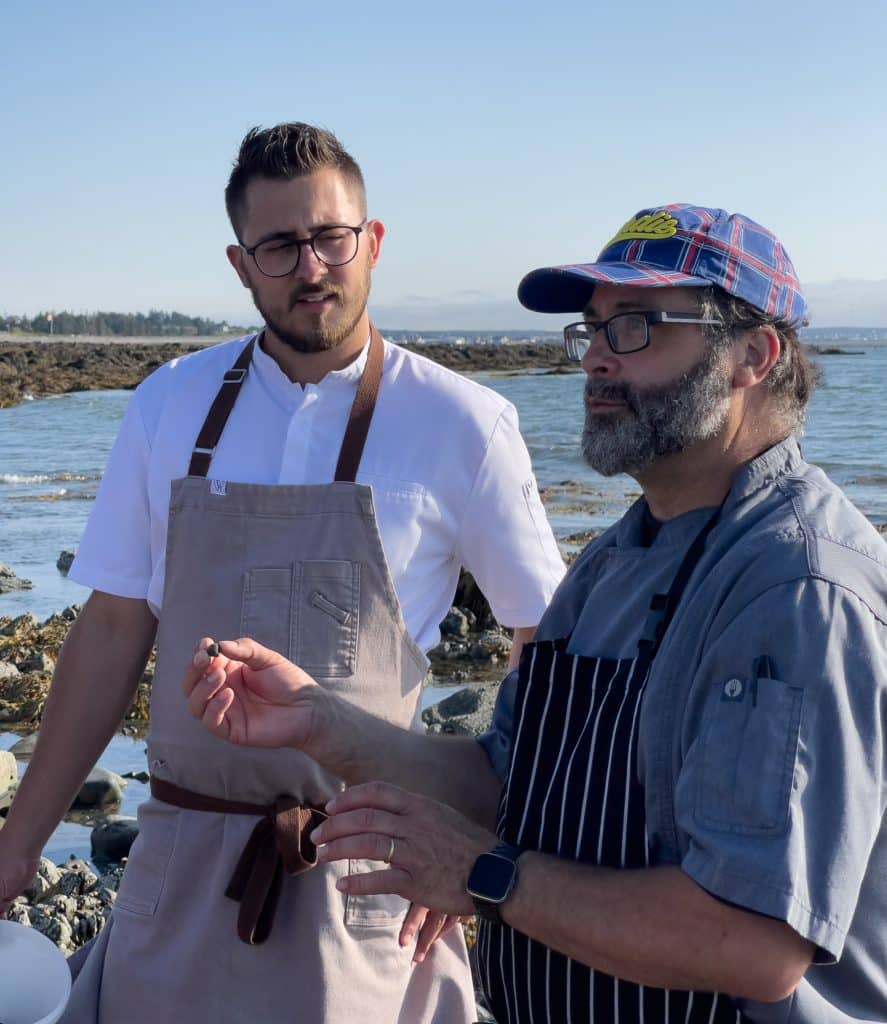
x,y
568,289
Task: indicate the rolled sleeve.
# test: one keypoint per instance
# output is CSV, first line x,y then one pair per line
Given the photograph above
x,y
505,539
781,791
498,739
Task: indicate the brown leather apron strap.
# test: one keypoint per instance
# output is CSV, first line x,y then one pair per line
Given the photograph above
x,y
219,412
279,842
355,432
361,411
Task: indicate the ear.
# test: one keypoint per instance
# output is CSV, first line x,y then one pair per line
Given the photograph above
x,y
237,258
375,229
757,353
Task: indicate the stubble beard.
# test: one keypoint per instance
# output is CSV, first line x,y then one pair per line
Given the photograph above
x,y
659,420
324,334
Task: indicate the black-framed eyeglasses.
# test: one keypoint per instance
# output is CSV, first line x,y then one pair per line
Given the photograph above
x,y
279,255
625,332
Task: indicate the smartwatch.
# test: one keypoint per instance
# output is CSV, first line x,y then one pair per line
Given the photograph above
x,y
492,879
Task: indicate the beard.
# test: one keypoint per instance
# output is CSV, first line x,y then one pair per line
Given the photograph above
x,y
323,331
659,420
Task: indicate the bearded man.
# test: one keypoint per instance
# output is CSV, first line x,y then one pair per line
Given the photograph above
x,y
319,489
689,764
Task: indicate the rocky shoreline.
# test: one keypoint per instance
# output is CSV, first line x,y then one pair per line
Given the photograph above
x,y
37,367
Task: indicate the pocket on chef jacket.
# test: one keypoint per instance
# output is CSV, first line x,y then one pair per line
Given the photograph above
x,y
146,868
307,611
750,741
381,911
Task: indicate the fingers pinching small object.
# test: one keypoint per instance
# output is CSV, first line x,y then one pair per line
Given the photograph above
x,y
213,650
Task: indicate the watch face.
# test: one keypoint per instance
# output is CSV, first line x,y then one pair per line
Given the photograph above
x,y
491,877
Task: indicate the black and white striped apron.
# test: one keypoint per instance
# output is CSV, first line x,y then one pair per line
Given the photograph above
x,y
573,791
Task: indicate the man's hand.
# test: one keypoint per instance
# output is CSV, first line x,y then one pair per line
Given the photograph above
x,y
433,850
251,696
17,870
431,925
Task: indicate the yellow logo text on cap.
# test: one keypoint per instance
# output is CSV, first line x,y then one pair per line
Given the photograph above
x,y
651,225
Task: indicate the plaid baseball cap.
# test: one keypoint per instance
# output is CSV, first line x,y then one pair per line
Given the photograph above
x,y
667,246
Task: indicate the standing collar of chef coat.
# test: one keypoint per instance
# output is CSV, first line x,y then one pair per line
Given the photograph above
x,y
276,381
781,459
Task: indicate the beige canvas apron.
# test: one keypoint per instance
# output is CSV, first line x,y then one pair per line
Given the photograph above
x,y
302,570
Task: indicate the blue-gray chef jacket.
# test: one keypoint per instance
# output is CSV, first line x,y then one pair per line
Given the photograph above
x,y
763,734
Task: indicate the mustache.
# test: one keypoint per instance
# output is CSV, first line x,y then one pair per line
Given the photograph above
x,y
612,392
311,290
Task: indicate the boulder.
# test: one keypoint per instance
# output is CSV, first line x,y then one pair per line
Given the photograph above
x,y
103,788
37,661
21,624
65,560
8,671
8,771
465,713
455,624
112,838
44,882
71,612
23,748
9,581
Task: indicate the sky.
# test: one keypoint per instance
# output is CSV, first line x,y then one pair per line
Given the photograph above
x,y
493,137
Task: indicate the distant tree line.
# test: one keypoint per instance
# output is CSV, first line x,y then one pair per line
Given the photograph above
x,y
157,323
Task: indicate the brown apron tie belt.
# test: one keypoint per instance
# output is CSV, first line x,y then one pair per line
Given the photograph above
x,y
355,432
280,841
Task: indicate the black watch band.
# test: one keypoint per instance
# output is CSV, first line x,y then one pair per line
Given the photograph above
x,y
492,880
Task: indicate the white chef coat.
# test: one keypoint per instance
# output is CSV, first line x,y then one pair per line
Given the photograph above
x,y
451,478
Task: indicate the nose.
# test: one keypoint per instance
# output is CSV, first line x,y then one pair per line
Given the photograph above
x,y
309,267
600,360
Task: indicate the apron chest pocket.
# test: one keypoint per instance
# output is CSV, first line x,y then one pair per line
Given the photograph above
x,y
307,612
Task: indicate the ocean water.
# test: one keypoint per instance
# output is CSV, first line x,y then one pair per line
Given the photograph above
x,y
53,450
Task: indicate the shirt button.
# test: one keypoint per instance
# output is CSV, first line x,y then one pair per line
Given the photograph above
x,y
733,688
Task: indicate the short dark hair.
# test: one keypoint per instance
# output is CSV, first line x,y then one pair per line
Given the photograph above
x,y
282,153
794,376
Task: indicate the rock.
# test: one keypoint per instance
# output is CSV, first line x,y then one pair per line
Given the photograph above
x,y
491,645
44,882
112,838
22,698
8,771
77,877
38,661
52,924
64,562
7,671
455,623
469,598
9,581
71,612
21,624
70,904
102,788
24,747
465,713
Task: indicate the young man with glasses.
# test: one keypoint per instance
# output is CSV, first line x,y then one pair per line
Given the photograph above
x,y
319,489
689,764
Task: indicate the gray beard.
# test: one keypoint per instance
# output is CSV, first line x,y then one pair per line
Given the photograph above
x,y
659,421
